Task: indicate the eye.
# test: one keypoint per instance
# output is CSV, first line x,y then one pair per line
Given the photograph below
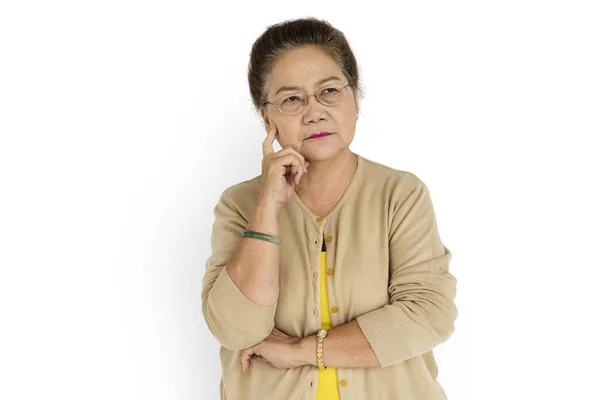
x,y
330,90
291,99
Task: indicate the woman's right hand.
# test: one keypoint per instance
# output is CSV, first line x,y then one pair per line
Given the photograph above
x,y
281,172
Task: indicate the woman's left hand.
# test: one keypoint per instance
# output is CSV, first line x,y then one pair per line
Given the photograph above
x,y
278,349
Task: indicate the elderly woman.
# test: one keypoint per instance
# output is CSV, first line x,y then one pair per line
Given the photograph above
x,y
327,278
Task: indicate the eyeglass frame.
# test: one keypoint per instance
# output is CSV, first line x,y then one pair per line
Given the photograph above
x,y
345,87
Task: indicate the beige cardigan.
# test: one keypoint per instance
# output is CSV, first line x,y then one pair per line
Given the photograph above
x,y
391,275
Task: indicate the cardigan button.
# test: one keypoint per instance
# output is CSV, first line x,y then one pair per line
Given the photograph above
x,y
343,382
319,219
334,309
330,271
328,239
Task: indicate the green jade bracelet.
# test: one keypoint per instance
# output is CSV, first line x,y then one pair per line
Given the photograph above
x,y
261,236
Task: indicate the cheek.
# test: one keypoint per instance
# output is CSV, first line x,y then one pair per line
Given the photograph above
x,y
347,119
286,140
289,133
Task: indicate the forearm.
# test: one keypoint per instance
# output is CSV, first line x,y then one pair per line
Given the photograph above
x,y
254,267
344,347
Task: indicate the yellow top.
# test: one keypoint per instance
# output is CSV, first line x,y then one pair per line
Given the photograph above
x,y
327,388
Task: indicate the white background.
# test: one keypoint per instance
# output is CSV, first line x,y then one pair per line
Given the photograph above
x,y
122,122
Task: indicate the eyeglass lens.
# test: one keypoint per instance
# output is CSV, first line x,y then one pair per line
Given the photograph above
x,y
294,103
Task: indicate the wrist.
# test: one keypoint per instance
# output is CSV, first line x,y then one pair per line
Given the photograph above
x,y
267,206
264,220
308,350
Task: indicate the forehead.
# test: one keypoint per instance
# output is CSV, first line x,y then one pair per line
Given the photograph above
x,y
303,67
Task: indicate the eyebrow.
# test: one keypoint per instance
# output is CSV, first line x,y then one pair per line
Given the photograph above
x,y
284,88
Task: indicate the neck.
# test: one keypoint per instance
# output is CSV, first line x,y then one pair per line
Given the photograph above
x,y
332,171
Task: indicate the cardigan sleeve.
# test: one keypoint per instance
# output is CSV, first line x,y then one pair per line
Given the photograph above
x,y
421,310
235,320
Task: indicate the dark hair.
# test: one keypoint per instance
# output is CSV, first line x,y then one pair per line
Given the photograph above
x,y
292,34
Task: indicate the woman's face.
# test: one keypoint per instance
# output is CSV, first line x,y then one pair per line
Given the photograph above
x,y
305,68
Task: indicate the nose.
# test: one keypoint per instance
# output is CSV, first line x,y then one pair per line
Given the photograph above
x,y
314,111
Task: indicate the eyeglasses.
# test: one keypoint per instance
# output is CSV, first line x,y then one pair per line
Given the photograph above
x,y
292,104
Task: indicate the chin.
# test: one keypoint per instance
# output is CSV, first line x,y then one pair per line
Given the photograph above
x,y
323,153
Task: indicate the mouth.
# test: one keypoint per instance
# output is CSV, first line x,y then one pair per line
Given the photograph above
x,y
319,135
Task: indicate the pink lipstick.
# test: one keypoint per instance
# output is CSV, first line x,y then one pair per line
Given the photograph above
x,y
319,135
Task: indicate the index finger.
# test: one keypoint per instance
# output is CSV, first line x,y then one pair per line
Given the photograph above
x,y
267,144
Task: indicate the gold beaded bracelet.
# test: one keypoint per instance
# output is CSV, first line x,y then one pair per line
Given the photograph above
x,y
320,337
